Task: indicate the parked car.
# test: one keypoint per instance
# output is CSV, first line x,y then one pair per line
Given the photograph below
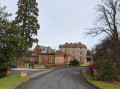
x,y
12,65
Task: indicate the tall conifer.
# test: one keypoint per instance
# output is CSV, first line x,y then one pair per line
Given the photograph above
x,y
27,20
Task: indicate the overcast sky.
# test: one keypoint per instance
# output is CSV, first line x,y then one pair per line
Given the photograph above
x,y
62,21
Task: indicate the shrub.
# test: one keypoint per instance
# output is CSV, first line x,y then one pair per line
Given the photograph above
x,y
3,72
107,71
118,78
74,62
91,67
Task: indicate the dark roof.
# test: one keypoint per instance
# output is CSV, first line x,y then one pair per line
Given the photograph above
x,y
44,49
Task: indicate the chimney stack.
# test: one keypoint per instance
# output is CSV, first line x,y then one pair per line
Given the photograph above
x,y
48,48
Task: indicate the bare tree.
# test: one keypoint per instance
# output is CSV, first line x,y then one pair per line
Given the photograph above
x,y
108,20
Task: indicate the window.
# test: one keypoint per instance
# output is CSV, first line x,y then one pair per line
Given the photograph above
x,y
36,60
34,54
80,53
73,52
41,59
61,60
80,59
80,48
68,52
51,59
31,60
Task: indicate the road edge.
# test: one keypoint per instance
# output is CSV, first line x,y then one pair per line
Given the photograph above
x,y
32,77
96,87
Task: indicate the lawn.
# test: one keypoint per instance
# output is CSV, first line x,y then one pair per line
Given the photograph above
x,y
101,84
25,65
10,81
85,65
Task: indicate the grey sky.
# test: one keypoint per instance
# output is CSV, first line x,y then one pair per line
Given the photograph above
x,y
62,21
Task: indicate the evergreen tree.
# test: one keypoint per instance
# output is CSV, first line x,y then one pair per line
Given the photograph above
x,y
27,20
10,40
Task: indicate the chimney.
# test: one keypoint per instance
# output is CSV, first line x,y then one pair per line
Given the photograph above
x,y
79,43
48,48
71,44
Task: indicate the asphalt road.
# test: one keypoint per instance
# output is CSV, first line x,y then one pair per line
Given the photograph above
x,y
67,78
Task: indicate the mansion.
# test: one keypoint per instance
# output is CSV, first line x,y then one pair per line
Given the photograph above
x,y
77,51
46,56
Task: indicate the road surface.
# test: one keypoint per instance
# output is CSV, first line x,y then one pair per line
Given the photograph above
x,y
67,78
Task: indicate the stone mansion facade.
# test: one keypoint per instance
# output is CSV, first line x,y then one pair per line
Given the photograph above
x,y
76,50
46,56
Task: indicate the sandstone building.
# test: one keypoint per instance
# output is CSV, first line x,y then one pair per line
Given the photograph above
x,y
76,50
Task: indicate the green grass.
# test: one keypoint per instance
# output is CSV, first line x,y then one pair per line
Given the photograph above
x,y
86,64
39,66
25,65
10,81
55,68
18,66
101,84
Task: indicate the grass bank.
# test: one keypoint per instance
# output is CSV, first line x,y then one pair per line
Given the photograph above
x,y
85,65
10,81
101,84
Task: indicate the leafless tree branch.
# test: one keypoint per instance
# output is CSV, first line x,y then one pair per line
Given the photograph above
x,y
109,11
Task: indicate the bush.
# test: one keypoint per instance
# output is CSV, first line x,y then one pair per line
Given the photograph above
x,y
3,72
107,71
118,78
105,68
3,68
91,67
74,62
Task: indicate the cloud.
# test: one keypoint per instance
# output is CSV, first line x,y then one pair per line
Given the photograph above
x,y
62,21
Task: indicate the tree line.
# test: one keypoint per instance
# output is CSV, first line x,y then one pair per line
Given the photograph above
x,y
107,53
16,36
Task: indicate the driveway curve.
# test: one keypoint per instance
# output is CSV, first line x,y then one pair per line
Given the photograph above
x,y
66,78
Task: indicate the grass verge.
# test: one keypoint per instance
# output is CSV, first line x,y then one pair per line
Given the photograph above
x,y
10,81
101,84
85,65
